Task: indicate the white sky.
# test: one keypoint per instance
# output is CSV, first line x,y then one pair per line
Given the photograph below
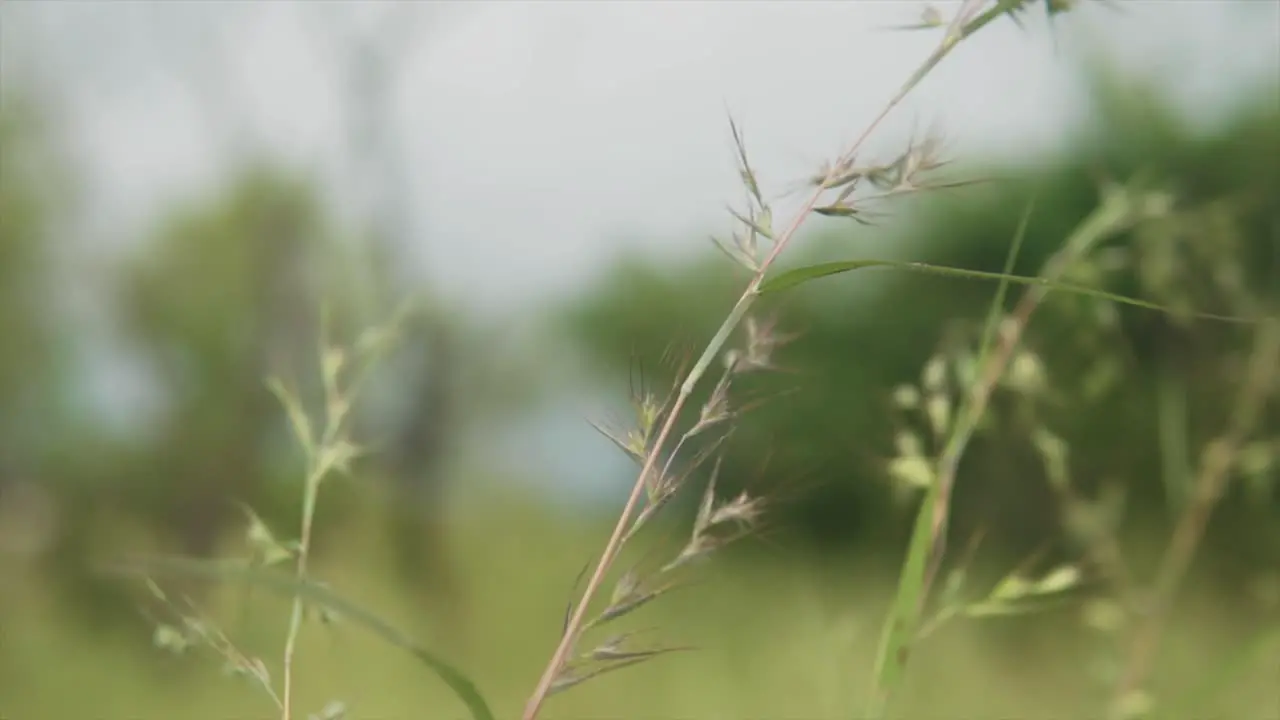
x,y
539,140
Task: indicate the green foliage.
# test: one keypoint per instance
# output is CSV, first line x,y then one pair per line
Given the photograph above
x,y
223,293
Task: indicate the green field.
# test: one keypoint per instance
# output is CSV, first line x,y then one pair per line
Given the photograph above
x,y
774,640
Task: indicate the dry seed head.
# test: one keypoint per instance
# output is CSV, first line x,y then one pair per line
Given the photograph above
x,y
836,175
1059,580
885,178
170,639
757,222
1026,374
338,456
1053,451
764,222
747,245
938,409
648,412
965,366
715,410
919,158
615,649
934,377
913,471
1009,327
566,679
333,710
1012,588
623,441
843,210
610,649
743,509
737,252
636,444
332,363
762,340
703,519
1134,705
1103,615
698,547
263,544
906,397
628,603
659,492
908,444
952,588
627,584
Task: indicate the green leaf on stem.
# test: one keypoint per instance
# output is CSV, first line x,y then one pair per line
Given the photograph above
x,y
799,276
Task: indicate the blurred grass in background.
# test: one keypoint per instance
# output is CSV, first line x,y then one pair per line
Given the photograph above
x,y
778,637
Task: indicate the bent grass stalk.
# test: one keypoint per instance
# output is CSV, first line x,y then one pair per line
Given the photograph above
x,y
832,179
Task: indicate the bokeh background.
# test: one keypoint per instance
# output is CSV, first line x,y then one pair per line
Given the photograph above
x,y
184,187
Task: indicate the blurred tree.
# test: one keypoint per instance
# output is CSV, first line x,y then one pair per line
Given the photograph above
x,y
221,298
224,292
33,188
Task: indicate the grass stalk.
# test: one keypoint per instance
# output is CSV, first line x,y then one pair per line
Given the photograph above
x,y
928,540
559,657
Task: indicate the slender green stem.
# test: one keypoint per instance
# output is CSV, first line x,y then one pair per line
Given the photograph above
x,y
320,468
1116,213
322,462
928,539
717,341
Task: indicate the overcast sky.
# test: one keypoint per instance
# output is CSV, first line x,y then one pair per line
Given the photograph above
x,y
539,140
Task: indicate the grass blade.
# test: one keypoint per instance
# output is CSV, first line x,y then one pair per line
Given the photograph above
x,y
904,618
461,685
900,629
801,275
992,324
